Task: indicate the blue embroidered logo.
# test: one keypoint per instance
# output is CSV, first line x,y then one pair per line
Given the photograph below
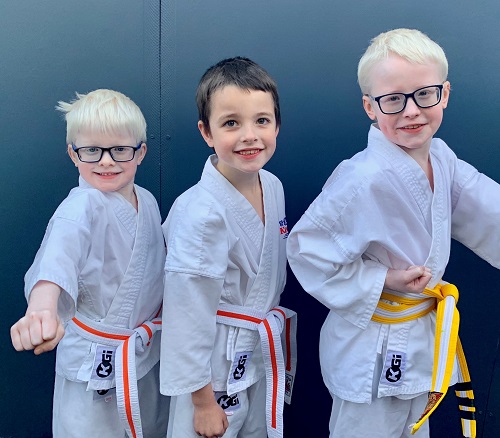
x,y
284,228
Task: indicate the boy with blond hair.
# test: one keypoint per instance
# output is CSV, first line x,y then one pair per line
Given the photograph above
x,y
374,245
222,360
95,287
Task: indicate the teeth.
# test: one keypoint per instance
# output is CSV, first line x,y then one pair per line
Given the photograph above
x,y
249,152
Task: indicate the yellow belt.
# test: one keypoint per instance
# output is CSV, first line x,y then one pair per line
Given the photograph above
x,y
446,345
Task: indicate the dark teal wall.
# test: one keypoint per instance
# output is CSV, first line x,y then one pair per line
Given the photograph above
x,y
48,50
156,54
312,48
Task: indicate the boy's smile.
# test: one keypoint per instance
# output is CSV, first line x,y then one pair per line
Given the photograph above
x,y
413,128
108,175
242,131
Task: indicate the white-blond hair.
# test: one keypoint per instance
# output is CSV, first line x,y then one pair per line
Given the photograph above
x,y
410,44
103,111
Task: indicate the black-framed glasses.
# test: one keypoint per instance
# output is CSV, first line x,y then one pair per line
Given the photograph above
x,y
394,103
93,154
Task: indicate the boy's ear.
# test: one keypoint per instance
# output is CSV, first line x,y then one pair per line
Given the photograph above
x,y
446,94
368,106
205,133
142,153
72,155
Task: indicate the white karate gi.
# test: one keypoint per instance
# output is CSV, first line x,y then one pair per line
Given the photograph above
x,y
377,211
218,252
108,258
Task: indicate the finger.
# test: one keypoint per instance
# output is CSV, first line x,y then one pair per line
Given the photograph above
x,y
51,344
44,347
29,332
220,431
15,336
34,329
415,272
426,279
60,332
49,327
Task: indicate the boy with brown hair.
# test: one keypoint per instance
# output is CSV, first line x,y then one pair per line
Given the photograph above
x,y
222,360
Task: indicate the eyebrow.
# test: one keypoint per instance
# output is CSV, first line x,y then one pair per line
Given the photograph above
x,y
265,113
402,92
233,115
227,116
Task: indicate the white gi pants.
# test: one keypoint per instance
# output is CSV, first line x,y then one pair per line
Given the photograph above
x,y
249,421
386,417
77,414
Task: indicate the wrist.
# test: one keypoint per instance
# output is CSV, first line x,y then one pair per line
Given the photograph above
x,y
203,397
44,296
388,278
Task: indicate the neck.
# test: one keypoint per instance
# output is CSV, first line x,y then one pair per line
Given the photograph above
x,y
422,157
254,195
132,198
249,186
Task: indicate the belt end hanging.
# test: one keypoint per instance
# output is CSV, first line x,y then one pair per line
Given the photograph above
x,y
432,403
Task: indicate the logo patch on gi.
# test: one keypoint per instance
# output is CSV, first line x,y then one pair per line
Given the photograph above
x,y
239,368
394,368
229,403
104,363
104,394
284,228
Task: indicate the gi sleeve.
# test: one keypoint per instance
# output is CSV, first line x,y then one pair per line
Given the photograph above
x,y
61,257
325,251
476,212
197,260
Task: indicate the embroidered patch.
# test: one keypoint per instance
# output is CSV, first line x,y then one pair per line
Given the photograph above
x,y
104,394
284,228
394,368
104,363
239,368
229,403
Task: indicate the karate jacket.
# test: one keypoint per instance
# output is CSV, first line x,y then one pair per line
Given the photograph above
x,y
108,260
218,251
377,211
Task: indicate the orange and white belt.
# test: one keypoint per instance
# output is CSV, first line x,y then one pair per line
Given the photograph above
x,y
128,343
443,299
279,353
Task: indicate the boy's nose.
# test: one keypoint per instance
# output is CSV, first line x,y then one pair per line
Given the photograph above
x,y
248,135
411,108
106,159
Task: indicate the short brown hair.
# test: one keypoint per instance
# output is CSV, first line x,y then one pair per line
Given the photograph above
x,y
240,72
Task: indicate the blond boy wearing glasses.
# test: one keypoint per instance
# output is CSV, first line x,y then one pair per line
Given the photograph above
x,y
96,285
374,245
